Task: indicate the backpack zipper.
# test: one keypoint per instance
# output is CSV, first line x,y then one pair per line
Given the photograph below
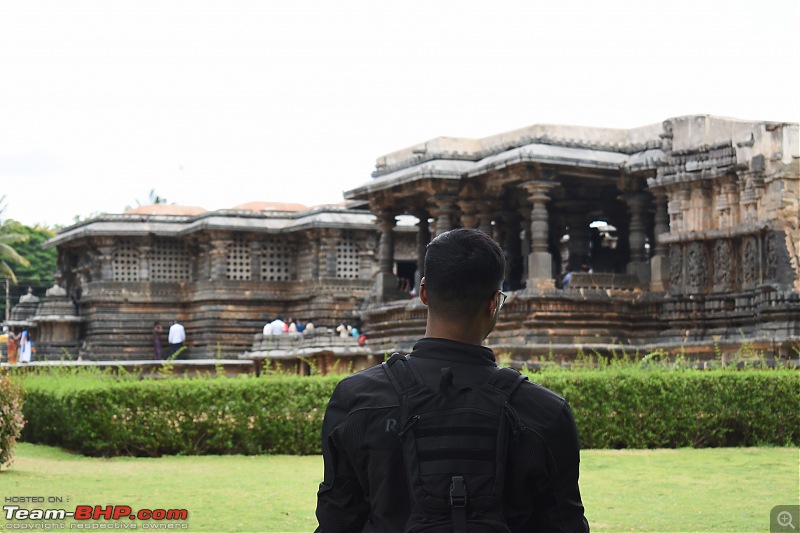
x,y
408,424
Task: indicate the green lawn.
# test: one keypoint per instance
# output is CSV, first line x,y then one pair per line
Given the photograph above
x,y
729,489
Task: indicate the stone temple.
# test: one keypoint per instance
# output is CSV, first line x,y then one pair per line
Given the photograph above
x,y
679,236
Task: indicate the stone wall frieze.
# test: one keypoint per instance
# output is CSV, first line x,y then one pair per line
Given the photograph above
x,y
696,267
724,269
750,262
675,268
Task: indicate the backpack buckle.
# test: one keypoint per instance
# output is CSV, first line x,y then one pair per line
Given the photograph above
x,y
458,492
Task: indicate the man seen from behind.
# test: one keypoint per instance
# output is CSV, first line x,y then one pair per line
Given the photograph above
x,y
367,471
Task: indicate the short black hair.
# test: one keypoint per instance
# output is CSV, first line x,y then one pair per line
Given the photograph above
x,y
463,267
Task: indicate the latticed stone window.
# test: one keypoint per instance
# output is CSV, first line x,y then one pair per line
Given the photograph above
x,y
238,259
275,259
125,265
169,261
347,260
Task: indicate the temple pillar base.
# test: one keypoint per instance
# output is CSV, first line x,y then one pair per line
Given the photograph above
x,y
659,273
386,286
540,265
641,270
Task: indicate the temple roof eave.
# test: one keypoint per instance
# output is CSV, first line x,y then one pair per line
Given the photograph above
x,y
550,155
546,154
115,226
440,170
626,141
364,221
224,220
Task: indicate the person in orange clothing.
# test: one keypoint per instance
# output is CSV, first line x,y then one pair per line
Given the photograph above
x,y
11,343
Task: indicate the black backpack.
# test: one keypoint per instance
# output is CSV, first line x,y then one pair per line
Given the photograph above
x,y
454,448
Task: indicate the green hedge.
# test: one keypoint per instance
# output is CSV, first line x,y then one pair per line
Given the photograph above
x,y
276,414
673,409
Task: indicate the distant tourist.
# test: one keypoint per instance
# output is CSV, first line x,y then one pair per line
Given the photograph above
x,y
299,326
176,337
276,327
343,330
565,280
309,327
25,347
13,346
157,329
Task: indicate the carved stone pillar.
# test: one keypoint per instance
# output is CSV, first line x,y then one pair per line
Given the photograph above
x,y
327,252
105,259
524,243
469,210
255,259
443,210
144,261
703,214
748,199
292,244
659,264
202,263
219,258
386,280
638,264
485,217
578,244
512,247
675,207
314,239
728,205
540,262
423,238
499,228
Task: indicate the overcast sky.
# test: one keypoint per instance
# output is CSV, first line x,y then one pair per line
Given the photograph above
x,y
217,103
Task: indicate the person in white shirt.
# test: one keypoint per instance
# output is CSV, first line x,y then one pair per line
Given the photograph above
x,y
176,337
276,327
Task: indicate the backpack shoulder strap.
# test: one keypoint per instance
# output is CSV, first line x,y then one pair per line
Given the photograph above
x,y
401,374
506,380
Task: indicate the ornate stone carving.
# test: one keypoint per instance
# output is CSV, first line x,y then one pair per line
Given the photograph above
x,y
771,248
675,268
750,261
56,291
696,266
28,297
723,266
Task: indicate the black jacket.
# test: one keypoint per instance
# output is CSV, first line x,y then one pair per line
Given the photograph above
x,y
365,487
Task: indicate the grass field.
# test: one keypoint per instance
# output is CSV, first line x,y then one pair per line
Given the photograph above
x,y
728,489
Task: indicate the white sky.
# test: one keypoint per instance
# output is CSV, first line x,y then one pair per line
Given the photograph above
x,y
217,103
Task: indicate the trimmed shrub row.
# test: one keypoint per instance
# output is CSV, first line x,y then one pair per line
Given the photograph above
x,y
625,408
278,415
683,408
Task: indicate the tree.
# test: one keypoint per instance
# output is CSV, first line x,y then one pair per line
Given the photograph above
x,y
34,267
9,235
42,264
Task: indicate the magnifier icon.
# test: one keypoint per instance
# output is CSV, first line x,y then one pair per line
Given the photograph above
x,y
785,519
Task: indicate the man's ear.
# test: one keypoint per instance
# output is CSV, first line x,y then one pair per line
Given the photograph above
x,y
492,306
423,292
